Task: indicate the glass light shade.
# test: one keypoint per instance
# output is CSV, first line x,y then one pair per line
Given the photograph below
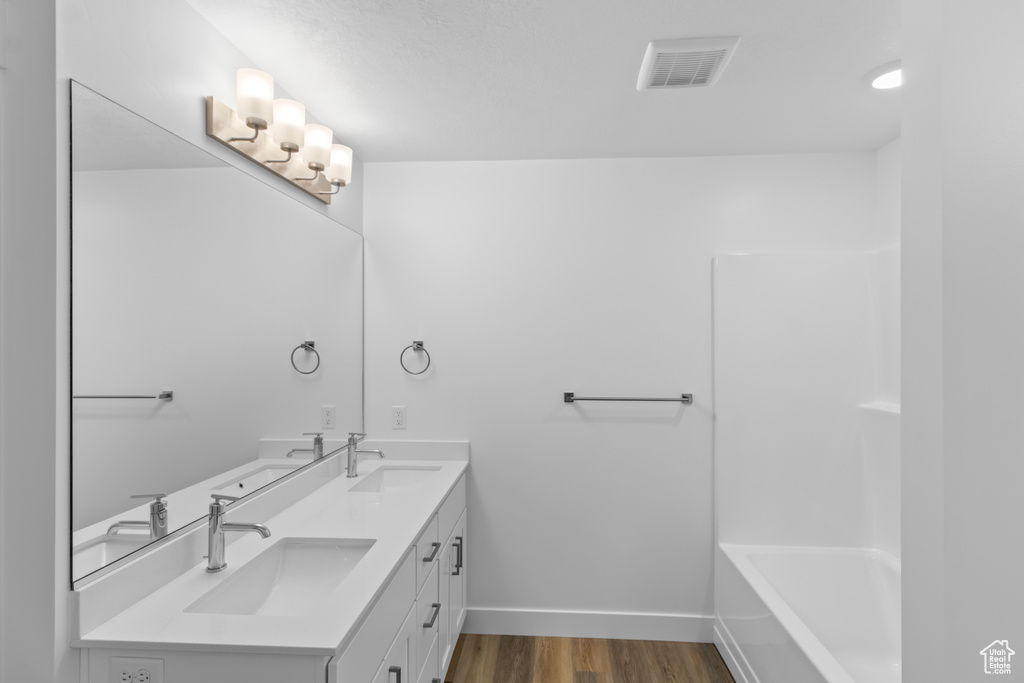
x,y
339,171
317,150
289,124
254,97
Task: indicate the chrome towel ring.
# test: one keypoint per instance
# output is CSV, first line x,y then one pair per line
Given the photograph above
x,y
415,346
309,346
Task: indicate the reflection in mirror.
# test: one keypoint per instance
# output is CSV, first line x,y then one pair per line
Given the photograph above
x,y
192,277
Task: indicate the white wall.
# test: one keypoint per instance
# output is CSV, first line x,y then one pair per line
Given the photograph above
x,y
887,280
794,358
529,279
200,281
33,354
963,141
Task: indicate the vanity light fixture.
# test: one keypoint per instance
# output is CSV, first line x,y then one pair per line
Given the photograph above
x,y
311,160
254,95
339,171
289,128
885,77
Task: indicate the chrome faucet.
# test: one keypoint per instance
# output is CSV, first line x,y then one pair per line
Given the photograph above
x,y
157,523
215,558
318,446
353,455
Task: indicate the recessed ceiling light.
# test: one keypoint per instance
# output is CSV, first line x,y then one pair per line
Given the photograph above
x,y
886,76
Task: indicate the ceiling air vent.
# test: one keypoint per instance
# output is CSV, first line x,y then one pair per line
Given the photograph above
x,y
686,63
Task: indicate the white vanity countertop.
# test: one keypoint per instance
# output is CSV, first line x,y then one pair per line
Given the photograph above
x,y
394,519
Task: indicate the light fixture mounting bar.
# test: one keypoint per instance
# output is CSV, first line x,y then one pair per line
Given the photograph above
x,y
223,124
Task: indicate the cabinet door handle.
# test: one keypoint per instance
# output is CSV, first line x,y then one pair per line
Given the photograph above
x,y
435,546
437,610
397,670
458,556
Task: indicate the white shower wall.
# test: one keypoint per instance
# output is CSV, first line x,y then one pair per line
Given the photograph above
x,y
807,424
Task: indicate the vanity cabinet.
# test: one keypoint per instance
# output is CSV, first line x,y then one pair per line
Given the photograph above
x,y
407,633
422,649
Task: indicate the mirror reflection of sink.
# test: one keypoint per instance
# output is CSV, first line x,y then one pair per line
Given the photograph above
x,y
257,478
288,579
102,550
389,478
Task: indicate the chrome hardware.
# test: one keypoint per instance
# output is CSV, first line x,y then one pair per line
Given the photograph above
x,y
415,346
433,553
165,395
215,557
570,397
318,446
311,347
157,523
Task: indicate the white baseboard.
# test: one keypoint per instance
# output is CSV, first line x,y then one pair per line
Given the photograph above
x,y
685,628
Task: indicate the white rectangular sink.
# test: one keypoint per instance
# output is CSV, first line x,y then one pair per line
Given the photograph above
x,y
258,478
291,578
100,551
389,478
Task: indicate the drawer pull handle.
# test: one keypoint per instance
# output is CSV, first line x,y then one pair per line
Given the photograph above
x,y
397,670
458,557
437,610
435,546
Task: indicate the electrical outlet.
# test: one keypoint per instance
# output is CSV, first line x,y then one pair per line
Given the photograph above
x,y
136,670
399,417
328,417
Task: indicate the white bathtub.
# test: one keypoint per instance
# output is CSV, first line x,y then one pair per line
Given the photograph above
x,y
808,615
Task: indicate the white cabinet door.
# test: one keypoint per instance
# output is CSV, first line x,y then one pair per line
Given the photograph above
x,y
401,658
457,579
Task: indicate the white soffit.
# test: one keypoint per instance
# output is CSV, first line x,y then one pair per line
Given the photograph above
x,y
548,79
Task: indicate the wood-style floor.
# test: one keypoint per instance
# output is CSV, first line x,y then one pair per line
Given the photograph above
x,y
523,659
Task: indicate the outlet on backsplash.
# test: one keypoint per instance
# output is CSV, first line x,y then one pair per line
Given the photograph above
x,y
399,417
328,417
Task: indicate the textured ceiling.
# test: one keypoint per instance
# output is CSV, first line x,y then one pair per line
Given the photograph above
x,y
403,80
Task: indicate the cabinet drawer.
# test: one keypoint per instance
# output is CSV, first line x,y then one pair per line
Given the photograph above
x,y
428,611
365,652
451,510
429,673
427,548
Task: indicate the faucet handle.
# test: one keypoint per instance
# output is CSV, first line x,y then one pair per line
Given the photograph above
x,y
219,497
355,437
158,504
156,496
317,436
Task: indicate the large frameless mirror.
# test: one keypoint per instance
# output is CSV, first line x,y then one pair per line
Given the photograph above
x,y
194,289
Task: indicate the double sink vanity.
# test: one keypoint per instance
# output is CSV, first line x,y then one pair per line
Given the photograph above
x,y
174,378
362,580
